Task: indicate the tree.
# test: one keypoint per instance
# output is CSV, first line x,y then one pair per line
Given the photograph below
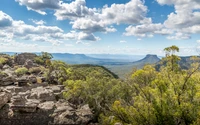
x,y
44,58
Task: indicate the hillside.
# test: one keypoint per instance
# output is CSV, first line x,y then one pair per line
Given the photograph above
x,y
184,63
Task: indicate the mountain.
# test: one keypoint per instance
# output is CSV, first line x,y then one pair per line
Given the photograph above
x,y
122,57
124,69
74,58
148,59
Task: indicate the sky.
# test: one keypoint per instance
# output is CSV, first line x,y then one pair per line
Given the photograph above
x,y
135,27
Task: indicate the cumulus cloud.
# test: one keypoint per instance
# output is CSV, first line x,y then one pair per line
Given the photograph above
x,y
179,36
74,10
40,5
144,30
132,12
38,22
40,33
184,15
91,26
86,36
90,20
22,29
5,20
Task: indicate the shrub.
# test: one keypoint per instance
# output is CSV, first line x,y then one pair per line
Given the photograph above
x,y
3,60
36,70
21,71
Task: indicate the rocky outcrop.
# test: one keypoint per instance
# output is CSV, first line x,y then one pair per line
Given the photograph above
x,y
28,64
40,104
4,98
20,59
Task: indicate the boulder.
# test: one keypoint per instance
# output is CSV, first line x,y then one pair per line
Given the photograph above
x,y
28,64
5,81
71,116
32,79
22,81
6,67
42,94
46,106
4,98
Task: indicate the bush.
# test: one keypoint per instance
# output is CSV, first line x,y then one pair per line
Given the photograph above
x,y
21,71
3,60
36,70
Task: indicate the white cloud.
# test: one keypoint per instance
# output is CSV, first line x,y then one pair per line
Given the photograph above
x,y
179,36
132,12
38,22
144,30
74,10
86,36
184,15
40,5
198,41
90,20
5,20
22,29
91,26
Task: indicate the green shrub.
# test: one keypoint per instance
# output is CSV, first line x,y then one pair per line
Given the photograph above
x,y
21,71
3,60
36,70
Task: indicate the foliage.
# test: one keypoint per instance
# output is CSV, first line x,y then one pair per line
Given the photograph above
x,y
43,59
3,60
21,71
36,70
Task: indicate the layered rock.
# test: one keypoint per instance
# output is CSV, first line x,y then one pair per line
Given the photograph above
x,y
40,104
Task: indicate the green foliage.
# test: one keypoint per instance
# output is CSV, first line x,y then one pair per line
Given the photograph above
x,y
36,70
21,71
43,59
3,60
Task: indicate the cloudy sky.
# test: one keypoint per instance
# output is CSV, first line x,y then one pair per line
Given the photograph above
x,y
135,27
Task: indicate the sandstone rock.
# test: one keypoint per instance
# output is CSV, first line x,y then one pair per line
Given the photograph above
x,y
6,67
46,106
28,64
4,98
32,79
5,81
22,81
42,94
38,106
72,116
20,59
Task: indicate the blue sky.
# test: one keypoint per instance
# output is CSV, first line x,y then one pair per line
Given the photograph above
x,y
136,27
